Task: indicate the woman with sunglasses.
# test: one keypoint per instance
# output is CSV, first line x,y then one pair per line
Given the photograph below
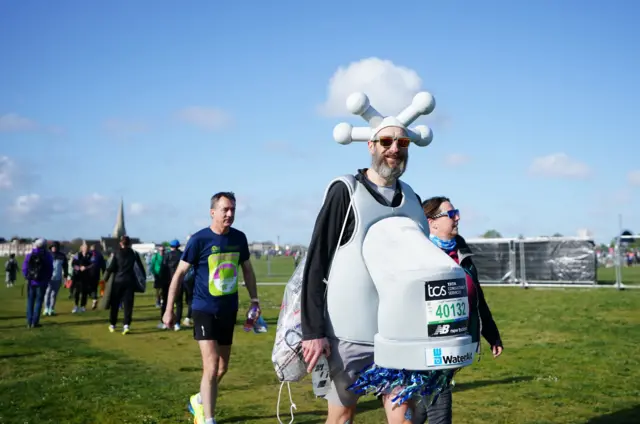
x,y
443,228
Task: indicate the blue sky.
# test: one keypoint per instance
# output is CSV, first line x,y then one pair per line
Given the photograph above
x,y
163,104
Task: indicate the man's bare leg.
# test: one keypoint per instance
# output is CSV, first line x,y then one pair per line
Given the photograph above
x,y
223,361
395,414
338,414
209,383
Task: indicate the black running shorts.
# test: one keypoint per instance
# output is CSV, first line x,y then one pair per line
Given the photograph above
x,y
217,327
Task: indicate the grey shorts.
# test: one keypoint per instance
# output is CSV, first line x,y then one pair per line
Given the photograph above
x,y
347,359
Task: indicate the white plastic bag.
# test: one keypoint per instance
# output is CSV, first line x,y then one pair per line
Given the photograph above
x,y
287,349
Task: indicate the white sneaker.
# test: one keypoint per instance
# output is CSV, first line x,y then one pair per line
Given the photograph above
x,y
176,327
83,309
75,310
162,326
186,322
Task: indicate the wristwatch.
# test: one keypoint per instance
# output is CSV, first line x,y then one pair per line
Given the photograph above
x,y
255,300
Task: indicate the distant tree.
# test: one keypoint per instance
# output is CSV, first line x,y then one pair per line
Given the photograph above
x,y
75,243
492,234
557,235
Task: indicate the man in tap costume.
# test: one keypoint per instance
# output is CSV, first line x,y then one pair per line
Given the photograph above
x,y
339,305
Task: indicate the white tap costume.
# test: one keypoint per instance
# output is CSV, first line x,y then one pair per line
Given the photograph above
x,y
390,286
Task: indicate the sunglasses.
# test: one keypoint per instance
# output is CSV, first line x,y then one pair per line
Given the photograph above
x,y
386,141
451,214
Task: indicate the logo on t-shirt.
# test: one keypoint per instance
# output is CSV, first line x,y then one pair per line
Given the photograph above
x,y
223,273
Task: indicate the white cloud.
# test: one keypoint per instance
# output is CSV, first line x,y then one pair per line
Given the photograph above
x,y
634,178
208,118
30,207
559,165
12,122
137,209
13,175
123,128
390,87
25,204
97,205
456,159
7,171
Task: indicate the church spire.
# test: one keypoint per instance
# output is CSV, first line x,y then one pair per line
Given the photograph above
x,y
119,230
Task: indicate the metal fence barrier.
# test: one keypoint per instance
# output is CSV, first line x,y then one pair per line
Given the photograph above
x,y
542,262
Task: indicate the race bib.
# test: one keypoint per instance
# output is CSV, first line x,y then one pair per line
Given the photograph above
x,y
447,307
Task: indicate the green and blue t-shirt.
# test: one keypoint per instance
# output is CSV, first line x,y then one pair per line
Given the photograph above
x,y
216,259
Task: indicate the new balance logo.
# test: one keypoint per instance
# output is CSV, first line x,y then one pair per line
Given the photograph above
x,y
441,330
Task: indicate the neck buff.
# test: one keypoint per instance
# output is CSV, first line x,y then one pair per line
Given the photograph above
x,y
447,245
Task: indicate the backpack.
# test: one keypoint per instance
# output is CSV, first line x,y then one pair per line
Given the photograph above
x,y
35,266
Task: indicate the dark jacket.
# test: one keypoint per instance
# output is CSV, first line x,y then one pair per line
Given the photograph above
x,y
171,262
487,326
98,265
11,268
82,260
121,266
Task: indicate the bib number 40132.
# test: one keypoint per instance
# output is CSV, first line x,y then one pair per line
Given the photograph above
x,y
446,311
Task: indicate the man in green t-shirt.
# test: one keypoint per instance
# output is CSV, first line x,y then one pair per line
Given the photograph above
x,y
160,274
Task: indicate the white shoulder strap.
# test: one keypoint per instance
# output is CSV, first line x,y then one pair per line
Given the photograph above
x,y
350,182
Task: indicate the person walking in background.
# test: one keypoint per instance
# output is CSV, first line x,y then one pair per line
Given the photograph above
x,y
443,232
81,278
11,270
59,274
172,260
122,266
37,269
160,275
98,266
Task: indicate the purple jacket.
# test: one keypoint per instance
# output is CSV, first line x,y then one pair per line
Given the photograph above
x,y
45,276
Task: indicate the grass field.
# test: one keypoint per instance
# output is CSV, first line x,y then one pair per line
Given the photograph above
x,y
571,356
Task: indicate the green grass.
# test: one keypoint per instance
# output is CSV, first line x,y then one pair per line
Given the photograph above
x,y
571,356
630,275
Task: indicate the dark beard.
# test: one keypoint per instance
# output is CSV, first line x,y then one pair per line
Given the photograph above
x,y
388,173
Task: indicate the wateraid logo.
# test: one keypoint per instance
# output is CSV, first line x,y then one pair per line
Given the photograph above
x,y
439,359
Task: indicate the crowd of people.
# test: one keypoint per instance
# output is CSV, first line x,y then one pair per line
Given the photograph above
x,y
88,275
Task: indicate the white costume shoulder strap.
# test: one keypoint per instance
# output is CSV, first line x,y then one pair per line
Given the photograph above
x,y
348,180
